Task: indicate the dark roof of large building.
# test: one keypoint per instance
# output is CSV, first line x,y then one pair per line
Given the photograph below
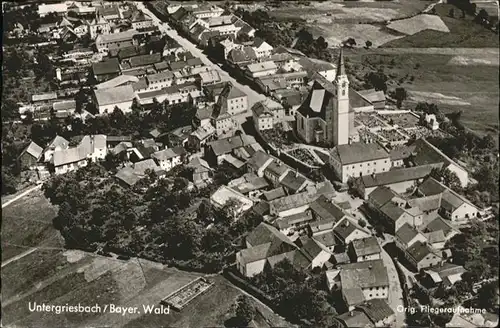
x,y
320,99
397,175
274,194
345,228
366,274
359,153
392,211
109,66
427,153
229,92
438,224
144,60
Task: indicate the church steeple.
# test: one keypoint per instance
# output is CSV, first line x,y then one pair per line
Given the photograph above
x,y
340,65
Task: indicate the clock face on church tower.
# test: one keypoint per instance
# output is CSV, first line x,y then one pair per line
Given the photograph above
x,y
344,85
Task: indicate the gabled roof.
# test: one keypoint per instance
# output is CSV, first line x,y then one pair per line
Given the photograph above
x,y
277,168
116,37
116,95
258,160
144,60
321,98
381,195
366,246
372,96
109,66
376,309
34,150
439,224
274,194
169,153
263,66
392,211
366,274
427,153
265,233
229,92
117,81
435,237
346,227
359,153
406,233
64,105
293,181
419,251
426,203
355,319
397,175
60,142
310,247
70,155
431,187
326,209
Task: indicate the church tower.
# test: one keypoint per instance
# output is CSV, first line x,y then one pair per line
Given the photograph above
x,y
341,108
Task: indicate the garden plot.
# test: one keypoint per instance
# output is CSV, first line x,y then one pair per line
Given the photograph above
x,y
437,98
335,33
403,120
419,23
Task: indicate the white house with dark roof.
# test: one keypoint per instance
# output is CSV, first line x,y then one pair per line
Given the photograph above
x,y
262,48
422,255
231,101
276,171
407,235
169,158
358,159
366,249
58,143
263,118
348,231
262,244
379,312
363,281
324,68
258,163
316,254
67,160
104,41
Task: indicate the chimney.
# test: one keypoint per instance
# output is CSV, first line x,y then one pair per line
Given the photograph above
x,y
370,267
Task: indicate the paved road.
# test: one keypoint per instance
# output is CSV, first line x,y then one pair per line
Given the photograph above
x,y
395,291
253,96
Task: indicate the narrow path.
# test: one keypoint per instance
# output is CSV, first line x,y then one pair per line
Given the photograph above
x,y
17,257
21,195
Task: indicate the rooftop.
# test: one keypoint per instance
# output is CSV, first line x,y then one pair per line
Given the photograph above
x,y
366,246
406,233
397,175
359,153
114,95
109,66
366,274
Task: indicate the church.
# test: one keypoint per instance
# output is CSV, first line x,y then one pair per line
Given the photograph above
x,y
326,117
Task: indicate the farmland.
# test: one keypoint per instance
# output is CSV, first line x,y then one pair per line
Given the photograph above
x,y
53,275
463,33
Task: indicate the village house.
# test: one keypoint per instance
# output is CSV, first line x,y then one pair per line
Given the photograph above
x,y
317,255
446,275
316,66
276,171
440,224
422,256
239,58
58,143
365,249
407,235
169,158
107,99
201,171
130,175
363,281
258,163
453,206
359,159
106,70
261,69
104,41
262,48
347,231
57,8
262,116
30,156
118,81
355,319
98,26
398,180
224,194
379,312
262,244
293,182
294,224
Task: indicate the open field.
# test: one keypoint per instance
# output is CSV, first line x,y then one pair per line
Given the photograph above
x,y
419,23
472,89
464,33
41,270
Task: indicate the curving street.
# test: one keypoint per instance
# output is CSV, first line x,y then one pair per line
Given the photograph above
x,y
253,96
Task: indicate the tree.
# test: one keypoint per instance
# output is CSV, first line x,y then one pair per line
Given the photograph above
x,y
245,311
400,96
368,44
9,182
350,42
447,177
377,80
482,18
487,295
451,13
